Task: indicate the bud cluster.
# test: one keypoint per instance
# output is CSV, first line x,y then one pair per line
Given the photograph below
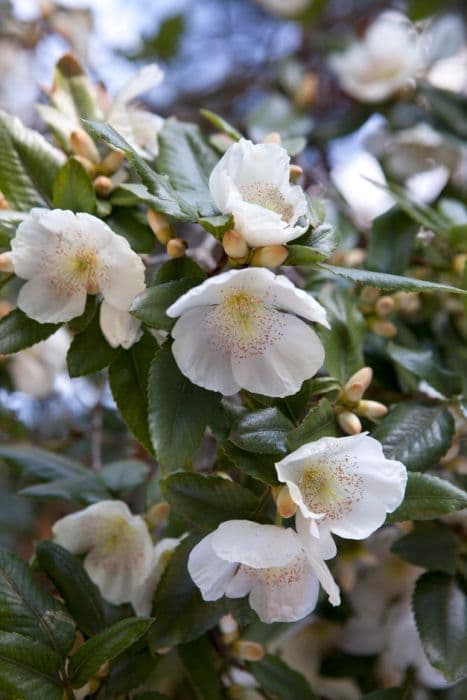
x,y
350,403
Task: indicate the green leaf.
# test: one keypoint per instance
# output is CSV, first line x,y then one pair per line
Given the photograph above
x,y
415,434
386,694
279,680
199,661
132,225
85,489
72,188
343,341
128,378
42,464
28,165
164,198
206,501
427,497
105,646
124,475
188,160
381,280
440,608
18,332
28,609
217,225
448,106
181,613
80,594
151,306
320,421
179,411
179,268
423,365
129,671
430,545
391,243
258,466
262,432
89,351
151,696
9,222
303,255
28,670
221,124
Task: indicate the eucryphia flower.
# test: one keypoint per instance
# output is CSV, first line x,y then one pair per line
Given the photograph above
x,y
118,548
240,330
271,564
142,596
382,62
66,256
343,485
252,182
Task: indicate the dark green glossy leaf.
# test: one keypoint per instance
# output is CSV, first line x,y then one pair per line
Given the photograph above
x,y
83,489
179,268
262,432
199,661
320,421
381,280
28,670
428,497
258,466
279,680
89,351
430,545
42,464
217,225
391,243
423,365
72,188
151,306
18,332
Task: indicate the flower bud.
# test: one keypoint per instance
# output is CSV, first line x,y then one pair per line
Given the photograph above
x,y
384,306
112,162
284,503
371,409
103,186
160,227
295,172
269,256
229,629
69,66
408,302
459,262
353,393
247,650
157,514
369,295
176,248
307,90
386,329
234,244
87,165
6,262
349,422
273,137
349,258
4,204
83,145
362,377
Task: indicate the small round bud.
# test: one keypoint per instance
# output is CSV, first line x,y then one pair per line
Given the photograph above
x,y
408,302
234,244
160,227
295,171
103,185
273,137
369,295
384,306
83,145
269,256
284,503
229,629
306,92
6,262
112,162
349,422
371,409
157,514
69,66
247,650
386,329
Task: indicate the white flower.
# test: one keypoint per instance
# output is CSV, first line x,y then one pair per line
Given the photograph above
x,y
65,256
35,369
252,182
143,594
118,547
343,485
240,330
267,562
285,8
389,55
138,126
119,327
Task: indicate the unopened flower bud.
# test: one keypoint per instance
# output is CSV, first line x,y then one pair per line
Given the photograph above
x,y
83,145
4,204
6,262
371,409
157,514
361,378
384,306
160,227
353,393
269,256
103,185
229,629
69,66
87,165
247,650
273,137
295,172
163,651
369,295
234,244
408,302
284,503
349,422
459,262
307,90
386,329
112,162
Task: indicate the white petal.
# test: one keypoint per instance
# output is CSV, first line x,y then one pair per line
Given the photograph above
x,y
145,79
119,327
319,542
143,594
210,573
208,293
121,274
255,545
199,360
286,296
40,300
285,364
79,531
289,595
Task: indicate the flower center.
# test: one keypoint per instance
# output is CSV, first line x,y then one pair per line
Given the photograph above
x,y
329,488
267,196
83,268
243,325
278,575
